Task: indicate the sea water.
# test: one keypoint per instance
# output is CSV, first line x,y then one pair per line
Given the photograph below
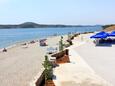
x,y
12,36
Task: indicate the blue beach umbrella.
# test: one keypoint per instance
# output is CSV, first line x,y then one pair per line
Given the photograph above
x,y
101,34
112,33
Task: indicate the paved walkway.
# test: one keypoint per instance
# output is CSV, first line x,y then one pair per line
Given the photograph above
x,y
77,73
100,58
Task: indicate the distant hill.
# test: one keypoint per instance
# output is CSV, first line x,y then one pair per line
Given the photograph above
x,y
109,27
31,25
35,25
28,25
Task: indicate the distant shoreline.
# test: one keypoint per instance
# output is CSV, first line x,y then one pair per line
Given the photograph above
x,y
35,25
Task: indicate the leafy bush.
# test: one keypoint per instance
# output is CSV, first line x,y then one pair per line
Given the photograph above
x,y
61,45
48,69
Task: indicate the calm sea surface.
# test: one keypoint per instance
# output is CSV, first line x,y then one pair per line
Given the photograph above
x,y
11,36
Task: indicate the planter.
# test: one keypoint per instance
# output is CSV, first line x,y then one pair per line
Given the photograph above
x,y
49,83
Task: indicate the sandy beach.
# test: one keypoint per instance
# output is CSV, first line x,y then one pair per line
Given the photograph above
x,y
21,66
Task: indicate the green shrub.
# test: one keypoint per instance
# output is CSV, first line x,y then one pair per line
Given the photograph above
x,y
48,69
61,45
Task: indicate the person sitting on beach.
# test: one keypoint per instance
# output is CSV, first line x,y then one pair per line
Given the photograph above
x,y
25,45
32,42
4,50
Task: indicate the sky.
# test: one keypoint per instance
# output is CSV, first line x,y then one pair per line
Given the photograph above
x,y
72,12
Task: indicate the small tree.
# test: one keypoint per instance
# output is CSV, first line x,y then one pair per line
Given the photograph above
x,y
61,45
48,69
